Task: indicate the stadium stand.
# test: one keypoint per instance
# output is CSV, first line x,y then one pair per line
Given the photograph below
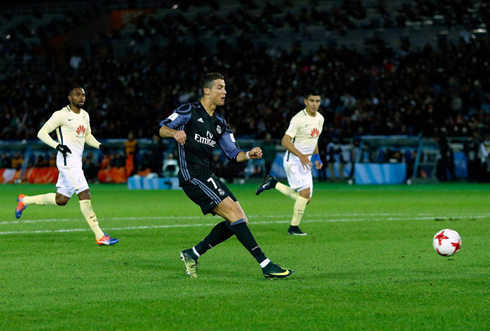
x,y
385,67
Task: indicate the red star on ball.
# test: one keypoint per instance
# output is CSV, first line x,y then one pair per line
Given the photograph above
x,y
441,237
456,246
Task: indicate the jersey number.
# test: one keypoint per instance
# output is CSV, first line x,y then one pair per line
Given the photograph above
x,y
212,181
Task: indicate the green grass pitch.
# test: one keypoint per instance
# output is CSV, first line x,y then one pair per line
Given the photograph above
x,y
368,263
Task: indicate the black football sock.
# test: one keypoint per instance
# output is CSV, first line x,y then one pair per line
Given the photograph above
x,y
245,236
218,234
273,183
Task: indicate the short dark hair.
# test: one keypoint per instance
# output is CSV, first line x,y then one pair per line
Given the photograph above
x,y
208,79
312,92
74,87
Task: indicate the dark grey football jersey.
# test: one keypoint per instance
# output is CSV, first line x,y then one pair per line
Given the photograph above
x,y
203,132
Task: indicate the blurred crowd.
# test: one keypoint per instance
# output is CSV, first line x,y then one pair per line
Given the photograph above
x,y
379,91
265,16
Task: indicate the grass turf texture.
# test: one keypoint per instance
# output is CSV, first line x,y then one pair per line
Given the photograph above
x,y
368,263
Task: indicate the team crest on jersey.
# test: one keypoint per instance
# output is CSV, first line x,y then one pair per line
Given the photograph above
x,y
218,129
221,192
315,133
81,131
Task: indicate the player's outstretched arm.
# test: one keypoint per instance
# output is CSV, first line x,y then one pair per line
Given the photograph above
x,y
255,153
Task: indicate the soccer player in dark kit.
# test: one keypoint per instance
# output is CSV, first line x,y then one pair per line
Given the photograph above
x,y
197,129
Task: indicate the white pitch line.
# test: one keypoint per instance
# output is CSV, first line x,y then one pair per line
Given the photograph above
x,y
251,217
163,226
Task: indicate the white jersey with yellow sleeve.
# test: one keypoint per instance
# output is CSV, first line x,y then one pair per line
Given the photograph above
x,y
305,131
72,130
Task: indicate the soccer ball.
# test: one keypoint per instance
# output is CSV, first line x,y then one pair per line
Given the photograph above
x,y
447,242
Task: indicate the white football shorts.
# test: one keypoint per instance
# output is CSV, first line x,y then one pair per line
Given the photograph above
x,y
71,180
299,178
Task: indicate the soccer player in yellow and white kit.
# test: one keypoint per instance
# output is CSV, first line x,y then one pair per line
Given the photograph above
x,y
301,142
72,125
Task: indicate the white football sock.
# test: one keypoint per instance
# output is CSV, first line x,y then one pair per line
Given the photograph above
x,y
299,210
265,263
48,199
88,213
287,191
